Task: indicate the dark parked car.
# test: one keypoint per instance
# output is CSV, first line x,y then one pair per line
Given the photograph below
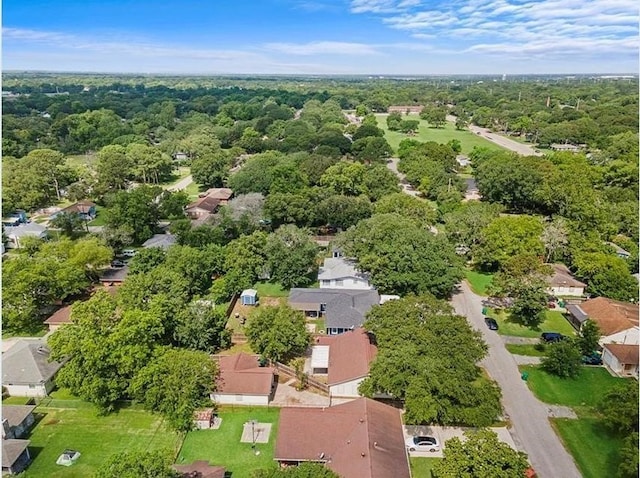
x,y
593,359
117,264
491,323
550,337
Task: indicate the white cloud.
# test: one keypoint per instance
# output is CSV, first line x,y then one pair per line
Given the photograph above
x,y
322,48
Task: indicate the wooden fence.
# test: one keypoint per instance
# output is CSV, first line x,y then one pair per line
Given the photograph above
x,y
311,382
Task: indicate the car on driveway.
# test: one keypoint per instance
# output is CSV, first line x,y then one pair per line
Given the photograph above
x,y
422,443
117,264
551,337
593,359
491,323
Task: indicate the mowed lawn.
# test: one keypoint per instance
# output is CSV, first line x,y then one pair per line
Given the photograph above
x,y
421,467
479,281
526,349
584,391
269,289
223,447
554,322
467,139
95,437
594,448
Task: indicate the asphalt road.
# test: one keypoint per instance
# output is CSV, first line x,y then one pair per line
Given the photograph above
x,y
182,184
531,428
392,164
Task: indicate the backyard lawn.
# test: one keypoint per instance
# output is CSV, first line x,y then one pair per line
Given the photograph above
x,y
479,281
525,349
95,437
100,217
268,289
192,190
440,135
421,467
554,322
222,447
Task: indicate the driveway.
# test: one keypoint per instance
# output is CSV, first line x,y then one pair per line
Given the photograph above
x,y
392,164
182,184
531,429
446,433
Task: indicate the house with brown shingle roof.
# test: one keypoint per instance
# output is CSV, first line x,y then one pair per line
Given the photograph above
x,y
621,359
618,321
358,439
562,283
221,194
345,358
59,318
200,469
202,207
242,381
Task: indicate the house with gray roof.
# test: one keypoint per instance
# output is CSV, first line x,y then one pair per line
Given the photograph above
x,y
341,273
27,370
342,309
16,234
163,241
16,420
15,456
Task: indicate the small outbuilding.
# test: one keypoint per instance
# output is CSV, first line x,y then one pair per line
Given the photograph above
x,y
15,456
249,297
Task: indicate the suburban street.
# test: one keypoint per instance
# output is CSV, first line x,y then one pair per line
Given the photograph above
x,y
392,164
523,149
531,429
182,184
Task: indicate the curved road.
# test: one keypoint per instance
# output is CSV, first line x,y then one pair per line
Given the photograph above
x,y
531,429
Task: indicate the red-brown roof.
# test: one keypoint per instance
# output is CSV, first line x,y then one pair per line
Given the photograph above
x,y
218,193
200,469
60,316
562,277
350,355
358,439
611,316
206,203
626,354
241,374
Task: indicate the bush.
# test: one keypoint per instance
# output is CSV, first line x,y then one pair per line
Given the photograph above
x,y
563,359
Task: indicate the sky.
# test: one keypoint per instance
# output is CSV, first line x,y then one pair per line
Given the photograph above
x,y
328,37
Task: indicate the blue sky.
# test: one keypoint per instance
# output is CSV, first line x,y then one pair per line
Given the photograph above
x,y
387,37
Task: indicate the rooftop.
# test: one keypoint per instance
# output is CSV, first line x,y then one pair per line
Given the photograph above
x,y
27,362
60,316
16,414
350,355
626,354
206,203
242,374
358,439
562,277
339,268
164,241
11,451
28,229
612,316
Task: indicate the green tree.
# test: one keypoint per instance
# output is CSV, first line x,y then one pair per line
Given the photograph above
x,y
408,206
303,470
481,455
146,260
291,255
589,337
563,359
464,224
211,169
402,257
245,261
172,204
371,149
174,383
394,121
343,211
70,224
278,333
530,305
138,464
113,167
436,116
202,326
629,466
606,275
620,408
134,210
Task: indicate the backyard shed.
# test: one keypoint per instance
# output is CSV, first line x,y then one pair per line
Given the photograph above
x,y
249,297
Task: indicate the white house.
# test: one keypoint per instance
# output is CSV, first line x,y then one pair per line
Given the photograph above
x,y
621,359
27,371
243,382
345,358
340,273
563,284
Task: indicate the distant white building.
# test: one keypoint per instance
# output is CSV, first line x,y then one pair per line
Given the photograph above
x,y
340,273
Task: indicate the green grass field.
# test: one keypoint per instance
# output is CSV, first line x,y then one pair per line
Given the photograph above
x,y
100,217
529,350
192,190
593,447
222,447
95,437
584,391
421,467
440,135
554,322
268,289
479,281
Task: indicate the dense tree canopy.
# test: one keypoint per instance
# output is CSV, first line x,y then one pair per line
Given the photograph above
x,y
278,333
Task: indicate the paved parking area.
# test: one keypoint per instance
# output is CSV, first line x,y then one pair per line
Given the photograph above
x,y
446,433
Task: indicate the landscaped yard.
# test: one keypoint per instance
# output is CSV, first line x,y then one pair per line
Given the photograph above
x,y
268,289
479,281
421,467
593,447
100,217
222,447
584,391
554,322
440,135
95,437
526,349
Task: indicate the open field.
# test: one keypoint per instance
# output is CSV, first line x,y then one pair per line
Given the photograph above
x,y
95,437
554,322
222,447
440,135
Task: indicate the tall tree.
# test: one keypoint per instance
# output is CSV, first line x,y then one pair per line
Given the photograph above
x,y
291,256
278,333
138,464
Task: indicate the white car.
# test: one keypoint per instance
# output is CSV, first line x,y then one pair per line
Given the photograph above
x,y
129,253
422,443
